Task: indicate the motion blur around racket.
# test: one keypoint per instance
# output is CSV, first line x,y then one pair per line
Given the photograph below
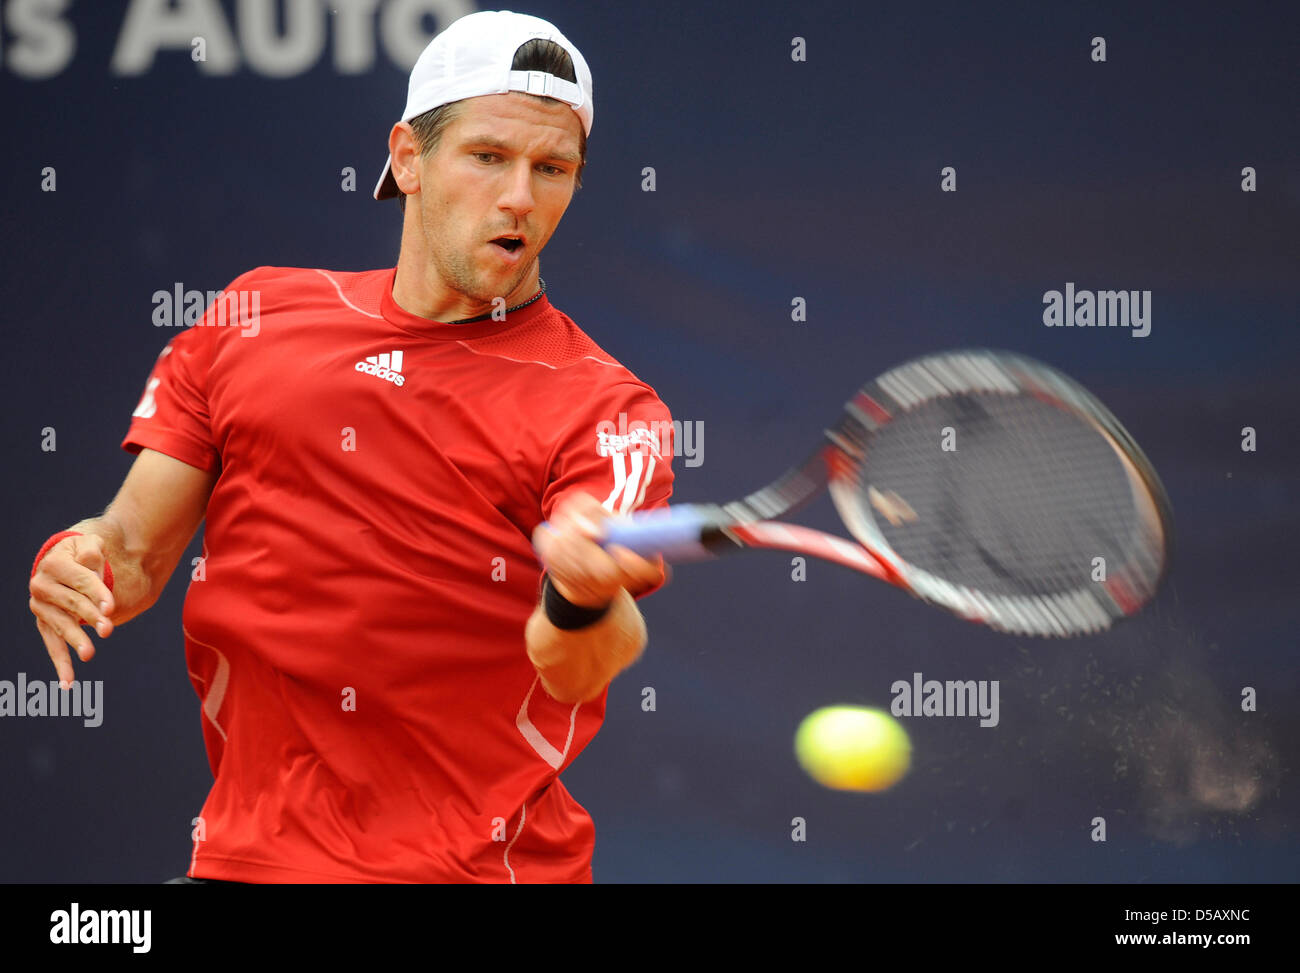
x,y
1004,527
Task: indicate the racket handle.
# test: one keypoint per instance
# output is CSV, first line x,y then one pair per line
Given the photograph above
x,y
677,532
684,532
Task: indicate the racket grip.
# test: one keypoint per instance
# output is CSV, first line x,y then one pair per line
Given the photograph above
x,y
677,532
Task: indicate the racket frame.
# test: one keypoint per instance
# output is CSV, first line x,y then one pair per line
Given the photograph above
x,y
689,532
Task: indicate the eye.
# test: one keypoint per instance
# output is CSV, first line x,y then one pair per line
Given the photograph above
x,y
551,170
485,156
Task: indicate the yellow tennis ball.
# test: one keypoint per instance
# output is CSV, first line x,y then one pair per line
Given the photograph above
x,y
853,748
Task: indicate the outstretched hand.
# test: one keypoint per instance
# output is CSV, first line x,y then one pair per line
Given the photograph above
x,y
67,592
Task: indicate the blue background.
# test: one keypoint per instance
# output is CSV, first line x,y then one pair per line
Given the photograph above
x,y
775,179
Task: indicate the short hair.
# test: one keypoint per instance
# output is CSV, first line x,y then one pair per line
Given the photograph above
x,y
537,54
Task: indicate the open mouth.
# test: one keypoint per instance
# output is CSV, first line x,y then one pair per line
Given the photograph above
x,y
508,243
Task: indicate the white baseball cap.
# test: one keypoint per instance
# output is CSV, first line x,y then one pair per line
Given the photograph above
x,y
472,57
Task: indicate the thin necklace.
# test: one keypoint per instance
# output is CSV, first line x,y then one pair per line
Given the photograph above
x,y
510,310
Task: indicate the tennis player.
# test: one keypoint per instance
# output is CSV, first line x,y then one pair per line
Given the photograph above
x,y
389,685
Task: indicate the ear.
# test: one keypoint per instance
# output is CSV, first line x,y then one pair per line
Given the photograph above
x,y
406,155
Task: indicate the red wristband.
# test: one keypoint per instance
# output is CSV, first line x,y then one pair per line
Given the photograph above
x,y
45,549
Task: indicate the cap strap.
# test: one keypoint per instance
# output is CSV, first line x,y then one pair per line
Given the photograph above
x,y
546,85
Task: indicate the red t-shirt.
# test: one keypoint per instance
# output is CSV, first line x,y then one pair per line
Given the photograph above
x,y
356,633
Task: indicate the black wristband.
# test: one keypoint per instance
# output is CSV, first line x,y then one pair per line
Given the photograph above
x,y
564,614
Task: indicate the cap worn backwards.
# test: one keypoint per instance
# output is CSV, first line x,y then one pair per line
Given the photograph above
x,y
473,57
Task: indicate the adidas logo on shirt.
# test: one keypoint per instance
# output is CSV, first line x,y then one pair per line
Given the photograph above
x,y
386,366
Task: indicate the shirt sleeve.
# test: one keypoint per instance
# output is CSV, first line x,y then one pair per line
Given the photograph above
x,y
173,416
619,450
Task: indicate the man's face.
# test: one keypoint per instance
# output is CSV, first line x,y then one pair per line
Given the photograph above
x,y
493,191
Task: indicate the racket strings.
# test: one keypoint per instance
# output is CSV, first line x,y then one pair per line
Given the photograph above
x,y
1006,495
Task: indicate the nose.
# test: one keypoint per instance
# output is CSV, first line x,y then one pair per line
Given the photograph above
x,y
517,192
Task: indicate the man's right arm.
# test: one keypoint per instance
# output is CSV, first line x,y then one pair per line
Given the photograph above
x,y
141,535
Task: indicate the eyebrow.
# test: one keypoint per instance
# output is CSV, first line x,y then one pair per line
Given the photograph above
x,y
492,142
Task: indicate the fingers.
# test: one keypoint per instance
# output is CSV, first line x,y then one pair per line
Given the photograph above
x,y
68,578
55,586
583,513
644,573
66,593
581,570
58,631
58,653
88,552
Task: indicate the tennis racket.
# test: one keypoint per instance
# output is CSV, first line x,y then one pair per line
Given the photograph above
x,y
979,481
